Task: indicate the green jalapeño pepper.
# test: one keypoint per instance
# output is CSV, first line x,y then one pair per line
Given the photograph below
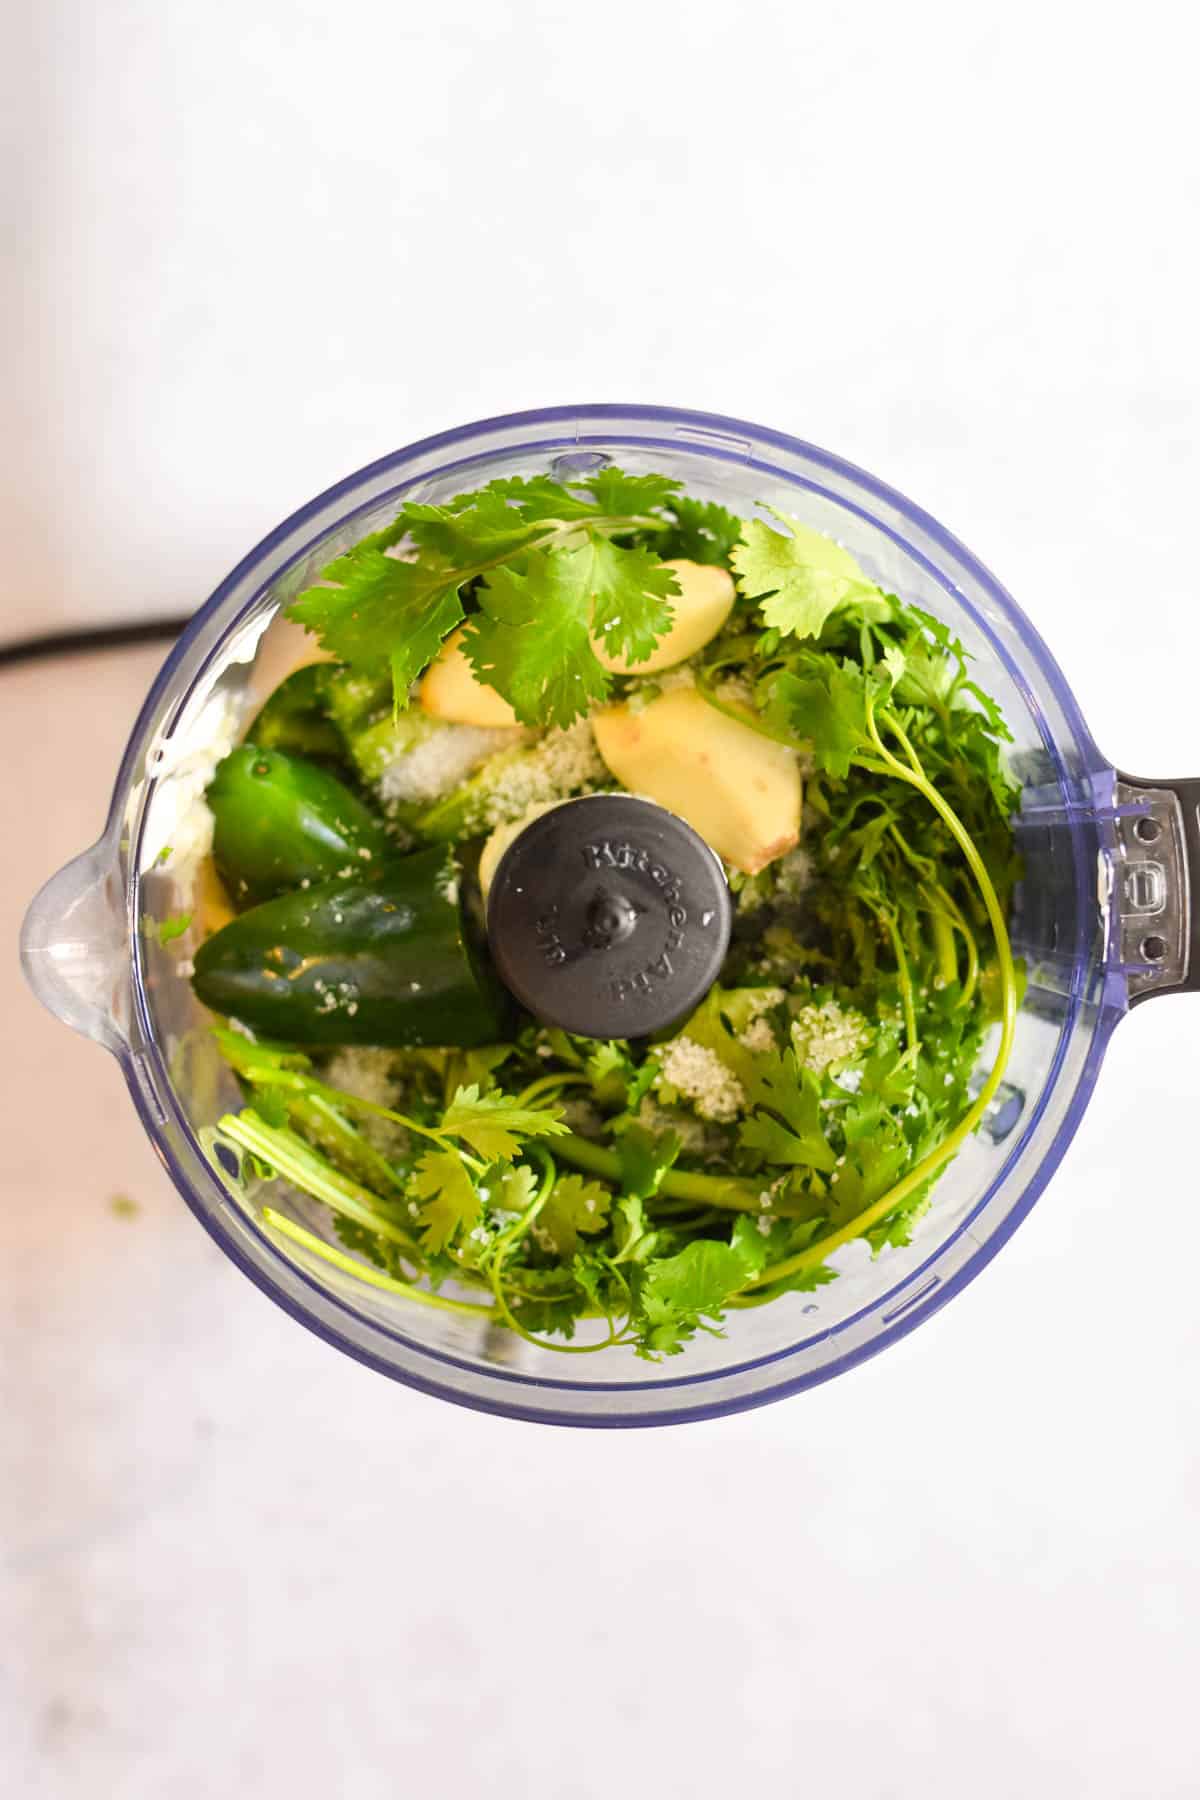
x,y
393,961
280,821
296,717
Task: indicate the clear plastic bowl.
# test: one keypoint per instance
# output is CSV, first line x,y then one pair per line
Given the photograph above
x,y
92,955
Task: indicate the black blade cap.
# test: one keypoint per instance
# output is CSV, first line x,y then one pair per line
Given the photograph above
x,y
609,917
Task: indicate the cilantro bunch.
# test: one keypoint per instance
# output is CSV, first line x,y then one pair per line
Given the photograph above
x,y
817,1093
549,570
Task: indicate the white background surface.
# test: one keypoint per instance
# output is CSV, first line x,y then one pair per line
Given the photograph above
x,y
259,245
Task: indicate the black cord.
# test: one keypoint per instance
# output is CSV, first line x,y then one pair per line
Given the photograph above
x,y
99,637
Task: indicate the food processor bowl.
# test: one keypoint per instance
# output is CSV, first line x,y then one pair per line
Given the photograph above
x,y
1104,917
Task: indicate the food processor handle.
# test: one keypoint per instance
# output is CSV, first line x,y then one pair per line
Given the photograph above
x,y
1158,898
75,946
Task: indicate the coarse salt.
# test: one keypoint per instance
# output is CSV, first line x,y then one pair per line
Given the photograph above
x,y
827,1034
434,767
699,1075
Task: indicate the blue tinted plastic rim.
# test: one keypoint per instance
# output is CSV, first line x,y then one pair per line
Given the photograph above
x,y
722,429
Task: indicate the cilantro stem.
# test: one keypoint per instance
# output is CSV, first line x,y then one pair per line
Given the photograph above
x,y
947,918
286,1227
593,1159
271,1077
924,865
907,997
615,523
684,1217
936,1160
549,1084
724,1191
610,1263
322,1124
955,915
296,1161
520,1225
943,947
976,864
279,1222
506,1241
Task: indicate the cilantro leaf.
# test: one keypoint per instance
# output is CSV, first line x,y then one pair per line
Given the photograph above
x,y
777,1144
676,1292
518,1185
375,611
702,532
478,1065
990,712
645,1157
630,592
574,1205
629,495
860,1183
886,1073
847,1195
702,1277
865,1120
780,1084
895,663
611,1071
488,529
826,707
752,1245
779,1080
805,576
538,497
897,1228
490,1123
805,1281
383,612
928,678
591,1278
448,1198
532,640
633,1236
545,1305
861,845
